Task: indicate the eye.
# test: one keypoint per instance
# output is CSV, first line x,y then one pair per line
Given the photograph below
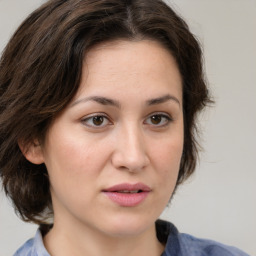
x,y
158,120
96,121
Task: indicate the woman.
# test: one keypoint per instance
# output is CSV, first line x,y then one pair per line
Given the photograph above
x,y
98,118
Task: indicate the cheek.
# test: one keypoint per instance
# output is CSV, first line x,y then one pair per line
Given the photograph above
x,y
168,155
75,168
167,163
74,155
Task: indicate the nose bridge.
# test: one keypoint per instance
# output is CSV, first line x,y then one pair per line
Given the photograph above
x,y
134,139
130,152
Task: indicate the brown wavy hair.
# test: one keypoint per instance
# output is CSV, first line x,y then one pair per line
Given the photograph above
x,y
40,72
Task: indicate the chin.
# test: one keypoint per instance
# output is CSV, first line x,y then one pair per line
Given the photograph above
x,y
130,226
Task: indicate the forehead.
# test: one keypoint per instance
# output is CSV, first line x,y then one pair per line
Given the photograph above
x,y
123,65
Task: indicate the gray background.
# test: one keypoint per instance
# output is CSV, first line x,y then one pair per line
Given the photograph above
x,y
218,202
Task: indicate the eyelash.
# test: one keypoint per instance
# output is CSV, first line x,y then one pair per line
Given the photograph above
x,y
167,118
85,121
98,115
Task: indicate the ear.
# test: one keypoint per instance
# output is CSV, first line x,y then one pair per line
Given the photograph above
x,y
32,152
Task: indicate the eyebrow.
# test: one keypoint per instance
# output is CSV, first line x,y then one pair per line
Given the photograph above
x,y
100,100
162,99
107,101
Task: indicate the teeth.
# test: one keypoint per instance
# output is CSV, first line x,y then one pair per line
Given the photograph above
x,y
127,191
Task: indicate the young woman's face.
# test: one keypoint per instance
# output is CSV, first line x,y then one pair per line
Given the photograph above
x,y
113,154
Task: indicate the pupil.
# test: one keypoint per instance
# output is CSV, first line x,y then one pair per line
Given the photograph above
x,y
97,120
156,119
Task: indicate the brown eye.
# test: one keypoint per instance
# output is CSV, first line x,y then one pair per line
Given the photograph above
x,y
98,120
158,120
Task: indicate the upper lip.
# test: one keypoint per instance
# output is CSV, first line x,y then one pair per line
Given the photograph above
x,y
128,187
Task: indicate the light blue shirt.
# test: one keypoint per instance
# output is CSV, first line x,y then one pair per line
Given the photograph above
x,y
177,244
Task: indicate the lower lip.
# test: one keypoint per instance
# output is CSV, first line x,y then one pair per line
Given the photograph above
x,y
127,199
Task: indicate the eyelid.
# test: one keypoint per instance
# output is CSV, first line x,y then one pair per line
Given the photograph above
x,y
90,116
162,114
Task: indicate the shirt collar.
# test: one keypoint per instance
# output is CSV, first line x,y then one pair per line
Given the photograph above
x,y
38,248
167,234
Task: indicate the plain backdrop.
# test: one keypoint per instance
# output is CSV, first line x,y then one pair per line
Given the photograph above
x,y
218,202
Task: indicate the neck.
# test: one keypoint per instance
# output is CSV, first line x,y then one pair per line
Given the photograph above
x,y
78,241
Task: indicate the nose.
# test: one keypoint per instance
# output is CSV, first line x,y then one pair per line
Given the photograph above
x,y
130,150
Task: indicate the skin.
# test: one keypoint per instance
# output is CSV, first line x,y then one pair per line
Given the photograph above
x,y
132,140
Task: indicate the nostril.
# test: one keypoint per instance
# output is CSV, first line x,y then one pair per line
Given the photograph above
x,y
129,160
123,168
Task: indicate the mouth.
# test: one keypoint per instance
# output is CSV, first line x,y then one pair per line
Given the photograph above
x,y
127,195
130,192
129,188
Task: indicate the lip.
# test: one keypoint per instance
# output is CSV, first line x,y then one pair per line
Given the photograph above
x,y
116,195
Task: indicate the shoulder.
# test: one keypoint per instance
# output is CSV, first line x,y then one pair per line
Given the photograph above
x,y
179,244
195,246
25,249
33,247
